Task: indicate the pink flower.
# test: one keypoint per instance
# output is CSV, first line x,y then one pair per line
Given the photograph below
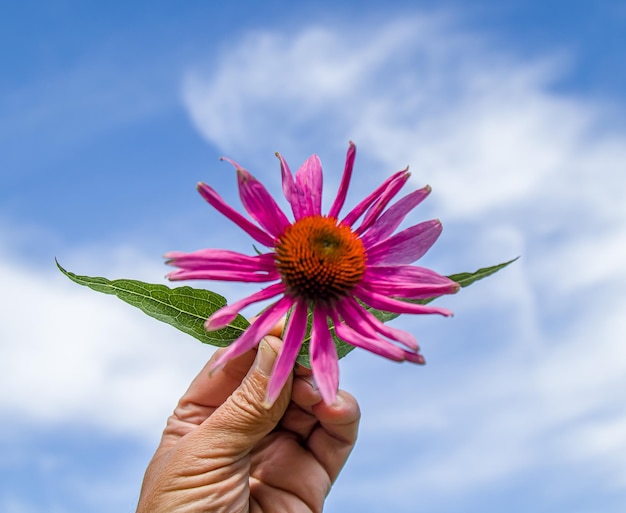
x,y
323,264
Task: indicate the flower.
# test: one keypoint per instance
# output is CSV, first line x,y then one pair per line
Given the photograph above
x,y
325,265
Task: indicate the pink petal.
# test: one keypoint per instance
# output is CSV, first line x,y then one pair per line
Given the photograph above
x,y
221,259
407,246
409,282
387,304
376,210
324,361
214,199
293,338
407,273
414,358
308,188
289,187
223,275
358,211
345,182
386,224
359,339
260,204
349,307
254,333
227,314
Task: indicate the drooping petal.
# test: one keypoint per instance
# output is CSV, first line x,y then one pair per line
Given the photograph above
x,y
388,304
414,358
349,308
387,223
308,189
215,200
359,339
409,282
377,208
294,335
345,182
227,314
405,247
223,275
260,204
324,361
407,273
221,259
254,333
358,211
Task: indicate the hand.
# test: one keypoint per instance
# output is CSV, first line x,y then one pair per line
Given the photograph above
x,y
223,451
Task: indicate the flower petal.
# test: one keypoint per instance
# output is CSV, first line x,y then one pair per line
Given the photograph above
x,y
386,224
414,358
227,314
214,199
387,304
377,208
358,211
260,204
409,282
294,335
254,333
223,275
407,273
289,186
308,189
324,361
350,308
357,338
407,246
345,182
222,259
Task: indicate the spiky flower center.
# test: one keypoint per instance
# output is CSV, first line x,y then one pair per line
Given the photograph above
x,y
320,260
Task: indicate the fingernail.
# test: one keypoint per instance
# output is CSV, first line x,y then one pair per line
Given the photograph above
x,y
265,358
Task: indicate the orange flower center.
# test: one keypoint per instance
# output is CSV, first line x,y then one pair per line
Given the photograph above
x,y
320,260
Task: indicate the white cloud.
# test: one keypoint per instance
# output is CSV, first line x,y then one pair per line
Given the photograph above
x,y
73,357
516,167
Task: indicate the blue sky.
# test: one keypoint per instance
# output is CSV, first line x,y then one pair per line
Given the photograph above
x,y
512,111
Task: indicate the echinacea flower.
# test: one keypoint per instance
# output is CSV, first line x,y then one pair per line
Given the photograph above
x,y
323,264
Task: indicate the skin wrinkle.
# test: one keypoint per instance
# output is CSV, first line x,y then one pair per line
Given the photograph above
x,y
301,422
256,483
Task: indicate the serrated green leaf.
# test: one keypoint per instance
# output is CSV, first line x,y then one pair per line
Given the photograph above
x,y
185,308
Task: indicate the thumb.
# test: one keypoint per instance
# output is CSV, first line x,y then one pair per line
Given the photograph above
x,y
245,418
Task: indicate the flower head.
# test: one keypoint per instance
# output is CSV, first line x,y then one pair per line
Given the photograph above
x,y
323,264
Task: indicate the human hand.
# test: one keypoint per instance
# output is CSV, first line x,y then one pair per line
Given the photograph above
x,y
224,451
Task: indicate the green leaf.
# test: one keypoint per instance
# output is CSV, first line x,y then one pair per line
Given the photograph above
x,y
185,308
